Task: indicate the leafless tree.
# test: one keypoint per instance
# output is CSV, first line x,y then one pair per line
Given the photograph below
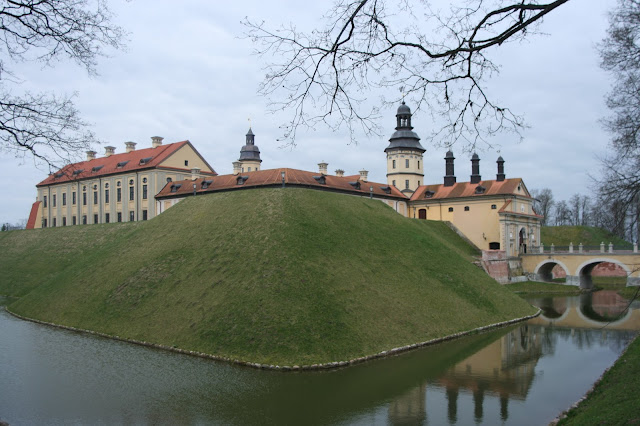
x,y
542,203
45,126
438,59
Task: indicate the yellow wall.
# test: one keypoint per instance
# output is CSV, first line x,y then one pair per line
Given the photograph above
x,y
400,173
186,153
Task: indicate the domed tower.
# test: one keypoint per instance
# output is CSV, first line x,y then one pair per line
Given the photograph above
x,y
404,154
249,155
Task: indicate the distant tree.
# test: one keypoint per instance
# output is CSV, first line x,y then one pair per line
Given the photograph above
x,y
437,59
562,214
4,227
542,203
45,126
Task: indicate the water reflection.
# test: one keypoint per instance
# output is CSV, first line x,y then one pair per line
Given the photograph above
x,y
521,375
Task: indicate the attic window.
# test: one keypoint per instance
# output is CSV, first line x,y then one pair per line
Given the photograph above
x,y
145,160
122,164
466,208
320,179
77,172
96,168
206,183
58,175
428,194
386,189
493,207
356,184
241,180
175,187
480,189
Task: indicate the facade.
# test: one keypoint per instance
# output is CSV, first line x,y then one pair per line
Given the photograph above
x,y
116,187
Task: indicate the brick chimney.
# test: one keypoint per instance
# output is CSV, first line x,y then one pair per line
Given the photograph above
x,y
156,141
450,177
475,169
364,174
236,167
195,173
91,155
323,167
340,173
109,151
130,146
500,176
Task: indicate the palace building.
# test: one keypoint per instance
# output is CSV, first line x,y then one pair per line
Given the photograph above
x,y
493,214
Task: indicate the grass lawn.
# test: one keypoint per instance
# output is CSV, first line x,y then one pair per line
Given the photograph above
x,y
542,287
587,235
614,400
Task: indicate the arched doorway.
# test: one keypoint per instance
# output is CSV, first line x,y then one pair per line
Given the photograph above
x,y
522,240
422,214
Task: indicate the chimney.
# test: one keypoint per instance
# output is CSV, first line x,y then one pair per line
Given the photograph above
x,y
91,155
109,151
500,176
236,167
363,175
156,141
340,173
475,169
130,146
323,168
195,173
450,177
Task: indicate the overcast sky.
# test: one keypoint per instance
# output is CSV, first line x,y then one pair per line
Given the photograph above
x,y
187,74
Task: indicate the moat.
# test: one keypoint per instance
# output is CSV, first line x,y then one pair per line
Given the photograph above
x,y
527,374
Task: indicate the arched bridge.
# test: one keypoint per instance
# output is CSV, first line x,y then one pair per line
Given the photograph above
x,y
578,266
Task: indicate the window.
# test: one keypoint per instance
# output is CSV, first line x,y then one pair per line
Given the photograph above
x,y
418,183
175,187
64,198
393,182
119,216
84,219
493,207
406,164
132,216
84,198
466,208
450,209
131,193
96,169
106,196
64,221
145,160
121,164
418,163
53,201
144,180
73,198
186,162
106,217
406,184
494,246
118,184
249,169
521,206
74,220
130,181
394,163
95,218
144,215
119,194
95,197
144,192
44,223
54,222
45,201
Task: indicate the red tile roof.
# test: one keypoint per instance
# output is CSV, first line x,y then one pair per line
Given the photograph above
x,y
468,189
109,165
273,177
31,222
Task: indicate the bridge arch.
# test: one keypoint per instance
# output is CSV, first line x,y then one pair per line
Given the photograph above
x,y
544,269
583,271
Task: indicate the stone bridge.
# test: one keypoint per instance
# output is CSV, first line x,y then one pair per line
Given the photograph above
x,y
578,265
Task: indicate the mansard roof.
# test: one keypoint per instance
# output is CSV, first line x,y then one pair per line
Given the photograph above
x,y
273,178
140,159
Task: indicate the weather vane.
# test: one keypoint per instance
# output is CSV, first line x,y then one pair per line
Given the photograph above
x,y
402,92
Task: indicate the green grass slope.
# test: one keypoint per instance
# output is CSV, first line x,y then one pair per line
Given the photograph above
x,y
273,276
587,235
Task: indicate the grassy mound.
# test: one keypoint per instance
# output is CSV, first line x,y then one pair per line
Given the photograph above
x,y
587,235
287,276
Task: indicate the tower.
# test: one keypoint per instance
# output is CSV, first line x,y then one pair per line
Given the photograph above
x,y
249,155
404,154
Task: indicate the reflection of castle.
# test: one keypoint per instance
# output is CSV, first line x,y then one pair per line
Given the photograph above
x,y
504,368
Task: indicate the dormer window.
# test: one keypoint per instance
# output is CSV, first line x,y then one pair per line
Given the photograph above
x,y
121,164
240,180
77,172
321,179
480,189
175,187
206,183
356,184
96,168
429,194
145,160
386,189
58,175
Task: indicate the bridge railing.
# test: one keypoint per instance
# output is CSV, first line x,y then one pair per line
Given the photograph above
x,y
580,248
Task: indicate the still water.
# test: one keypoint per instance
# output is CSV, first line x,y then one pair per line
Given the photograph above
x,y
521,375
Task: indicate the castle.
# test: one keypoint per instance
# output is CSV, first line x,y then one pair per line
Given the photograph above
x,y
495,214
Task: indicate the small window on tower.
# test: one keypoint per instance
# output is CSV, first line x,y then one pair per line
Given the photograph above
x,y
406,183
406,164
394,164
